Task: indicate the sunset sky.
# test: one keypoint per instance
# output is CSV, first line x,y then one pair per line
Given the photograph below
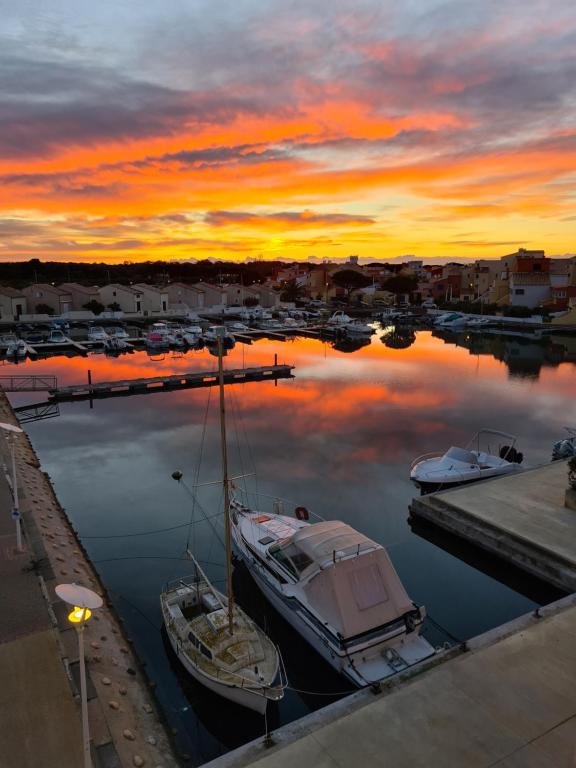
x,y
187,129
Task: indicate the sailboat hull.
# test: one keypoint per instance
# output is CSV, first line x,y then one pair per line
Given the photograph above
x,y
245,698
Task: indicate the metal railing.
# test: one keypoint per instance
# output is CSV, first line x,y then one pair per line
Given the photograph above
x,y
28,383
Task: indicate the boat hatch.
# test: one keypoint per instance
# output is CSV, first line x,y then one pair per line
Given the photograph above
x,y
266,540
261,519
210,602
278,529
217,619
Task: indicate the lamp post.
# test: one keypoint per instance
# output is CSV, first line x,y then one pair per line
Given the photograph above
x,y
84,601
13,431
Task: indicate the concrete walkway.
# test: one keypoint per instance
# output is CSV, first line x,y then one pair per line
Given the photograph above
x,y
39,720
510,704
521,517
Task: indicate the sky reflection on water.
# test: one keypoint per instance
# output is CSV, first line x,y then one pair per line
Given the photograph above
x,y
338,438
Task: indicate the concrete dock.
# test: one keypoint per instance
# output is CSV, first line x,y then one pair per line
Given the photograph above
x,y
510,702
521,518
39,667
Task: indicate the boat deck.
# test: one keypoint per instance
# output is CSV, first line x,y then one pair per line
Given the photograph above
x,y
520,517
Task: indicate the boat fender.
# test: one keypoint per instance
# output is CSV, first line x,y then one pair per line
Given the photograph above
x,y
508,453
519,457
302,513
410,622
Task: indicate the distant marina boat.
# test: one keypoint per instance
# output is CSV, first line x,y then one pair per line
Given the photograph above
x,y
118,332
57,337
457,466
17,349
450,320
97,333
210,336
158,337
343,322
113,345
337,588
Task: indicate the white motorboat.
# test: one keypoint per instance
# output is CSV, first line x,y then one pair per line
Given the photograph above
x,y
118,332
114,345
479,322
192,334
339,319
337,588
57,337
358,328
97,333
489,454
451,320
238,327
17,349
565,448
211,336
270,324
213,638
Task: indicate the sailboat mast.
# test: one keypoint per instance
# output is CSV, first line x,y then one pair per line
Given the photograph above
x,y
227,532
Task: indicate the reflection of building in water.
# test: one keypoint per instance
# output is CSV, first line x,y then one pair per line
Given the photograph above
x,y
523,356
399,337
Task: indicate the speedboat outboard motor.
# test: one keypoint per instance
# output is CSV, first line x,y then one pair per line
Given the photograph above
x,y
509,453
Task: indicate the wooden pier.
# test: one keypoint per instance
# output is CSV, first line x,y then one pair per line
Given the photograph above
x,y
92,390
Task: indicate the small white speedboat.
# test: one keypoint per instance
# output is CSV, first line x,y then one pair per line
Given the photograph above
x,y
97,333
358,328
114,346
485,456
17,349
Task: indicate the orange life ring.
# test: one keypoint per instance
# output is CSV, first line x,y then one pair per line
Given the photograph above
x,y
302,513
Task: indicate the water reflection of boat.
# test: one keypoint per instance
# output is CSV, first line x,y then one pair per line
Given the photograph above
x,y
398,338
337,588
345,344
215,640
477,461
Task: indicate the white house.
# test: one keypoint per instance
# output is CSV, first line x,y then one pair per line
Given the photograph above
x,y
12,303
183,297
154,300
81,294
529,289
128,298
57,299
214,295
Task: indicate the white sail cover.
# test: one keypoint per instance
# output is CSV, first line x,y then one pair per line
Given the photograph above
x,y
355,594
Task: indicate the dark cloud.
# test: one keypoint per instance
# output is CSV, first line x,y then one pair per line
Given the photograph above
x,y
287,218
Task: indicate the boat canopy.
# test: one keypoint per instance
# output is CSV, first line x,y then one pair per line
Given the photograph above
x,y
461,454
357,589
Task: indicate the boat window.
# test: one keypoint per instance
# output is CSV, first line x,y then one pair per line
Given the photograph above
x,y
291,558
206,651
459,454
266,540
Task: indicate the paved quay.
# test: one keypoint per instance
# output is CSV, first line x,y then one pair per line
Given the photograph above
x,y
521,518
39,668
509,702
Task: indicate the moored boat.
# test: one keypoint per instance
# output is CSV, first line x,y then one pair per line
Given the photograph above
x,y
485,456
337,588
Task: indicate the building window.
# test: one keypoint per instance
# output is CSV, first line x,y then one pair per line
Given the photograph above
x,y
537,268
519,291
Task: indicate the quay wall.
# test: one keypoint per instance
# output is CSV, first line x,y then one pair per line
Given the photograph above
x,y
126,727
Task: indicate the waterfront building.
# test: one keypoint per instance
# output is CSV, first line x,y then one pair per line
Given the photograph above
x,y
184,297
57,300
81,294
128,298
214,295
13,303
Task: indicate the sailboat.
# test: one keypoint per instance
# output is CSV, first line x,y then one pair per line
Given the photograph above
x,y
214,639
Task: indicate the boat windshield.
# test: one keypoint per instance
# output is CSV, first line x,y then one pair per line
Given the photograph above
x,y
460,454
292,558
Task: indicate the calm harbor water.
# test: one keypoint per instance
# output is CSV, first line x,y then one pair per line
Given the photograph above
x,y
339,439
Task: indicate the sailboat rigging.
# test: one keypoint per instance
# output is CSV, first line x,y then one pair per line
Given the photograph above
x,y
214,639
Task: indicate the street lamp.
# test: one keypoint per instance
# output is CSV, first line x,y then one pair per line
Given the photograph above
x,y
84,601
13,431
